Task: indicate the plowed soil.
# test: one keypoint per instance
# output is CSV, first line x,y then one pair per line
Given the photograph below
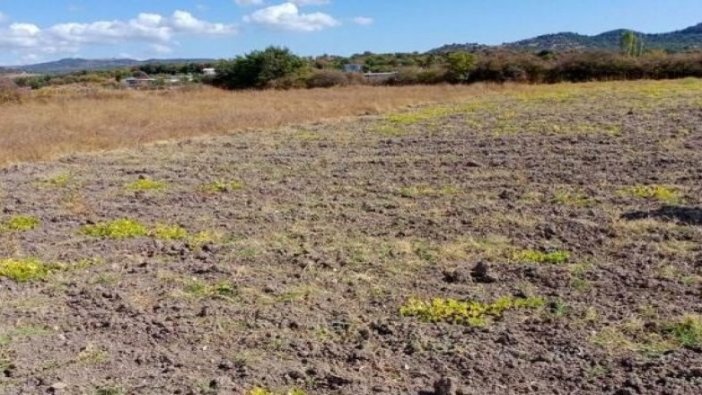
x,y
297,249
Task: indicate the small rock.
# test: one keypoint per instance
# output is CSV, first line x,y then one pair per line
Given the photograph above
x,y
225,365
57,388
454,276
625,391
445,386
296,375
481,273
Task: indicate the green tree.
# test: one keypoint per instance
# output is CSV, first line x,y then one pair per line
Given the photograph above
x,y
460,65
258,68
631,44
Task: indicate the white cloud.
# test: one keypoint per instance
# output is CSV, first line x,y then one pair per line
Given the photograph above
x,y
302,3
156,29
287,16
3,17
20,35
363,20
161,49
309,2
185,22
248,2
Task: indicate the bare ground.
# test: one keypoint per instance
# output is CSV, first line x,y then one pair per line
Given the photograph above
x,y
304,244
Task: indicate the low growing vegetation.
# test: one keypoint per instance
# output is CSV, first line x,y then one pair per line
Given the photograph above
x,y
222,186
118,229
535,256
145,184
20,223
660,193
471,313
25,270
169,232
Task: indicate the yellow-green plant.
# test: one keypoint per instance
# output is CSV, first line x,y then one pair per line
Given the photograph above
x,y
146,184
575,199
21,223
661,193
222,186
117,229
25,270
470,313
534,256
59,181
169,232
221,290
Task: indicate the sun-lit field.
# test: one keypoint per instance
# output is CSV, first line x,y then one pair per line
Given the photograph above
x,y
505,239
57,122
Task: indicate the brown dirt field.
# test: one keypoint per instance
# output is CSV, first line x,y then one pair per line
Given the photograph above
x,y
298,259
52,122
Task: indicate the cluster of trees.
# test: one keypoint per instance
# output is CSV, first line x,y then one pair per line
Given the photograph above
x,y
173,68
279,68
111,78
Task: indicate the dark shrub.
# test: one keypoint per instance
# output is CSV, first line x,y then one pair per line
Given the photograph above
x,y
9,91
327,79
258,69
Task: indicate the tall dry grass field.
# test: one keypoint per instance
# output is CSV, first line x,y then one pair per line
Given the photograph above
x,y
51,123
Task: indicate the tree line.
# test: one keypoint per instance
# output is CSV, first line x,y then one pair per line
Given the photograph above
x,y
279,68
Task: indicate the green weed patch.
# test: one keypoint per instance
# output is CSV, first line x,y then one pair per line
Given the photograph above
x,y
470,313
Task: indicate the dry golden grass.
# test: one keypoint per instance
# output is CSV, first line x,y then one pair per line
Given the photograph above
x,y
51,123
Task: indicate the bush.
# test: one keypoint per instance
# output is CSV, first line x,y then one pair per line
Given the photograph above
x,y
9,91
460,65
259,69
418,75
327,79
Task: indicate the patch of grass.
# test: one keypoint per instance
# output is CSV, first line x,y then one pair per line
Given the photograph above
x,y
25,270
146,184
687,331
470,313
222,186
661,193
574,199
92,355
298,293
169,232
577,276
559,308
203,290
534,256
118,229
109,391
489,247
201,238
62,180
22,332
21,223
653,337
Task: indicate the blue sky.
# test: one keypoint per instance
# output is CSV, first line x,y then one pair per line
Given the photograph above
x,y
40,30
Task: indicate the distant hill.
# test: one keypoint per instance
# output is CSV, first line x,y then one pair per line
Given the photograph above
x,y
681,40
76,64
